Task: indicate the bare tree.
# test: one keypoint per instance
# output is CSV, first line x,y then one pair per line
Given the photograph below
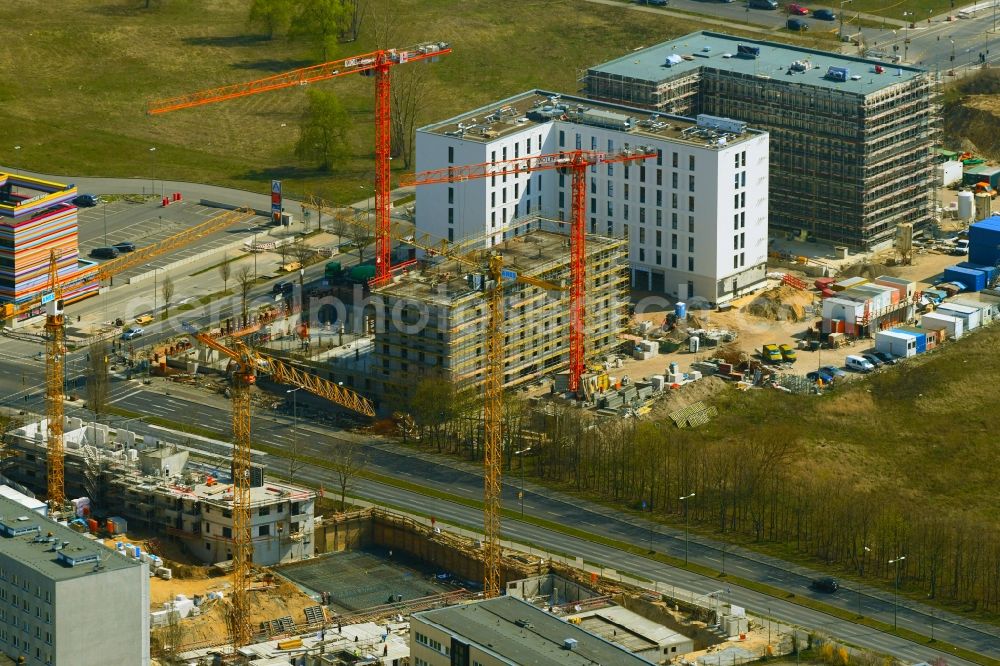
x,y
97,378
356,10
361,236
341,222
348,461
245,281
225,271
384,22
409,94
284,251
167,291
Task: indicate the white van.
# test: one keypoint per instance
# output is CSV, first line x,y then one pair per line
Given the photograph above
x,y
858,364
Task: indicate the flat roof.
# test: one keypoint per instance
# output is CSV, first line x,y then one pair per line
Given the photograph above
x,y
516,630
710,49
628,629
41,194
537,107
34,550
531,254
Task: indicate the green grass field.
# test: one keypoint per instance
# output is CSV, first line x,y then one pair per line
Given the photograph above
x,y
78,76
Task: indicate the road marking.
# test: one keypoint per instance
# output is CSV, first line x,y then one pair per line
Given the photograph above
x,y
127,395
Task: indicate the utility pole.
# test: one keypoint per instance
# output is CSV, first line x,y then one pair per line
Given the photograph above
x,y
687,533
520,456
840,32
895,590
863,554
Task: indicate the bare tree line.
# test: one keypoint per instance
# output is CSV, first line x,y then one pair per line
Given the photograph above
x,y
745,488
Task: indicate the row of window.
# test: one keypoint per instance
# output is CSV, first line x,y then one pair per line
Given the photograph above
x,y
24,646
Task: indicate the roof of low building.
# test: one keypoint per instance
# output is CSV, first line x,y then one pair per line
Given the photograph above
x,y
516,630
36,537
720,51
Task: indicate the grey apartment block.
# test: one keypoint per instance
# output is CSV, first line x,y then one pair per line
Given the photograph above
x,y
851,138
65,598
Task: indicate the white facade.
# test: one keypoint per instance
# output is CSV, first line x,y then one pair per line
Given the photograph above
x,y
695,216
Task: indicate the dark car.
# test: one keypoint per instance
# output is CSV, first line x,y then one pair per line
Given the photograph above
x,y
873,359
762,4
820,375
124,247
655,3
796,24
825,15
87,200
282,288
825,584
886,358
104,253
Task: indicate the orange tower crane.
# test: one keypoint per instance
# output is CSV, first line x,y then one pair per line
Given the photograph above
x,y
576,162
55,354
249,364
377,63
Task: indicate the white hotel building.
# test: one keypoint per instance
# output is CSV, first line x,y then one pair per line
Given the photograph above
x,y
695,217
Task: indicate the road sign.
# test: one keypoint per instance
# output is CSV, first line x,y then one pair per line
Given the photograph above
x,y
276,201
507,274
48,298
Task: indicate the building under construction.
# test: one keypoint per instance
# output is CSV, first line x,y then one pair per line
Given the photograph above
x,y
851,138
144,481
436,318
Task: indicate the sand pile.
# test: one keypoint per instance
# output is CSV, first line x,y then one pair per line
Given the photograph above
x,y
781,303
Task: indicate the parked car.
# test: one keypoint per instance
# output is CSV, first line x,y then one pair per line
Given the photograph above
x,y
771,353
655,3
124,247
87,200
820,376
797,9
283,287
762,4
873,359
833,371
961,247
796,24
104,253
825,15
132,333
886,357
144,319
858,364
787,353
825,584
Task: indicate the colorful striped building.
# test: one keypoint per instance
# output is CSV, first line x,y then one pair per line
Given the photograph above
x,y
37,217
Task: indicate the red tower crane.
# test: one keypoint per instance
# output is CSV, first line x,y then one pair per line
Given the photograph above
x,y
377,63
576,162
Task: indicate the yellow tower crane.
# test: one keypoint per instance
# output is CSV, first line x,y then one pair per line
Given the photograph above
x,y
248,364
55,352
493,266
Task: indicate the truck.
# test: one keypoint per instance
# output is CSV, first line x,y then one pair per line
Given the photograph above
x,y
333,270
787,353
771,353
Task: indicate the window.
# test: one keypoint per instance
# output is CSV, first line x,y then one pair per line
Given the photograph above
x,y
659,218
737,160
529,144
736,261
611,147
451,216
659,258
451,195
642,254
690,183
736,180
659,177
451,235
208,546
736,201
690,203
673,220
642,173
690,266
673,200
625,231
736,242
265,530
611,189
690,224
736,221
743,199
264,511
579,141
593,186
642,235
742,241
503,153
503,195
642,194
642,216
611,170
743,220
659,198
690,162
743,158
673,241
673,261
742,259
451,154
676,158
593,206
562,140
690,244
227,533
659,238
611,208
659,158
562,200
673,180
743,178
517,150
625,191
625,211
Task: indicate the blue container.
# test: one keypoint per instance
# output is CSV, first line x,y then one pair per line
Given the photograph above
x,y
984,242
681,310
991,271
921,338
974,280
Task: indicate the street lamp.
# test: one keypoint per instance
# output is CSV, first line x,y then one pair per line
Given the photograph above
x,y
152,178
840,33
17,153
295,424
520,455
906,34
895,589
865,552
104,207
687,534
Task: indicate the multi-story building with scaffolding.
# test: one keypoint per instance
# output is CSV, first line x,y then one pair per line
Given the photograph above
x,y
436,317
695,218
156,485
851,138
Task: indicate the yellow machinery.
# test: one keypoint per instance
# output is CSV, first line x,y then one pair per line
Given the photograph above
x,y
56,336
248,364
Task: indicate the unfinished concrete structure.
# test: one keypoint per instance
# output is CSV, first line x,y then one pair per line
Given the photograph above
x,y
851,138
436,317
67,599
153,484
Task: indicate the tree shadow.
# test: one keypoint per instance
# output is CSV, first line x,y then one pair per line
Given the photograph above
x,y
286,171
273,65
226,40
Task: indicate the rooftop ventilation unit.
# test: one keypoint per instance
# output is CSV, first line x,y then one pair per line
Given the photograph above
x,y
15,530
69,560
721,124
745,51
569,644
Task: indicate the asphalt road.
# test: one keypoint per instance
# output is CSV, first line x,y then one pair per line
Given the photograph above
x,y
446,476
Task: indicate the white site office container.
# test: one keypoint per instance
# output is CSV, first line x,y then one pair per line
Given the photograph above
x,y
897,344
936,321
972,316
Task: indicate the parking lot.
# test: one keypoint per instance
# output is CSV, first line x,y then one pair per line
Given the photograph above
x,y
146,223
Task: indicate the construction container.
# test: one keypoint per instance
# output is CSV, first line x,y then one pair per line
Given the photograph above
x,y
361,274
991,271
847,283
984,242
952,327
974,280
919,335
972,317
982,174
906,288
896,344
